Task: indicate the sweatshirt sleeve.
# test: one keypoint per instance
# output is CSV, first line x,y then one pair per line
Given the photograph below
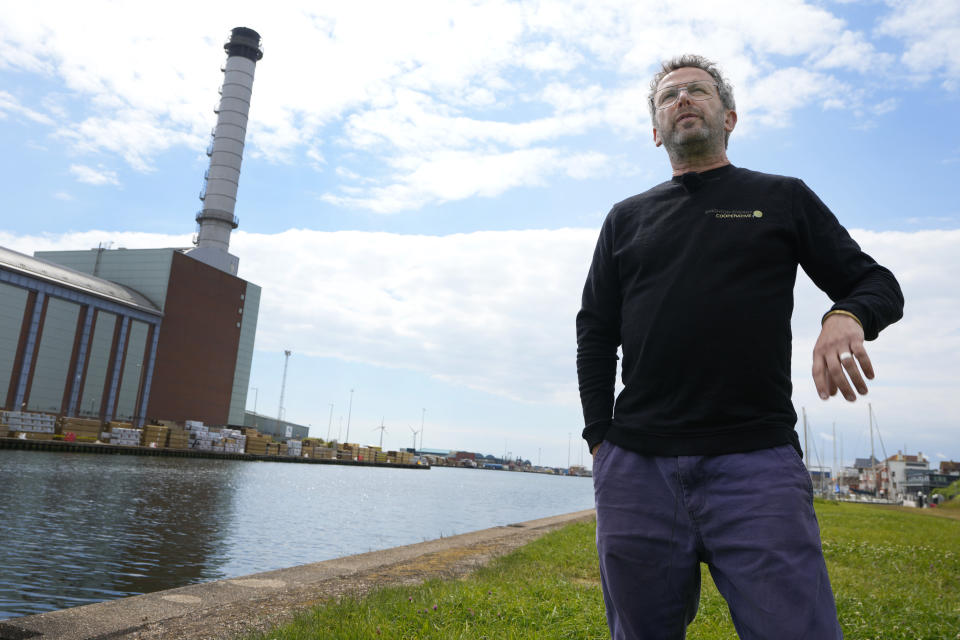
x,y
834,261
598,337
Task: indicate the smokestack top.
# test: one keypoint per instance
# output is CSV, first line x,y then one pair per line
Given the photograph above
x,y
244,42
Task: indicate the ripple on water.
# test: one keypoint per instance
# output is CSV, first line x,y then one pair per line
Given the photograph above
x,y
86,528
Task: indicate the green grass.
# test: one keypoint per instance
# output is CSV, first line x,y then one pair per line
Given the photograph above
x,y
895,574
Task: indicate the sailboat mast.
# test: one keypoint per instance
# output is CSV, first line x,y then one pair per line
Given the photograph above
x,y
806,449
873,460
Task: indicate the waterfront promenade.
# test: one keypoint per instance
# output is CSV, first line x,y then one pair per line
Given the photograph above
x,y
224,609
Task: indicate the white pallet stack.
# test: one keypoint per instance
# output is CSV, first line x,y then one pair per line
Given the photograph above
x,y
126,437
202,437
239,441
27,422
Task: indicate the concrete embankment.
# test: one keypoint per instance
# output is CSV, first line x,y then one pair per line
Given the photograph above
x,y
227,608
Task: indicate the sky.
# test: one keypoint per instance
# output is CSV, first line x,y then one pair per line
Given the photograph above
x,y
423,184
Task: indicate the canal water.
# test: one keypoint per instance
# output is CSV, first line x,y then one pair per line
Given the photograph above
x,y
83,528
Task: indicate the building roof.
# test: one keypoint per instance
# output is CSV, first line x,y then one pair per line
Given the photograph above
x,y
865,463
60,275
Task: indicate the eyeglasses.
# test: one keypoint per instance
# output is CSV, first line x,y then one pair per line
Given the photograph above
x,y
699,90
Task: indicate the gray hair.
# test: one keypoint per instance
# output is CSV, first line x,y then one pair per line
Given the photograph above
x,y
724,88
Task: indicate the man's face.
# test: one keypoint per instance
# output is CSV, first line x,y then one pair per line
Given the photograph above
x,y
691,126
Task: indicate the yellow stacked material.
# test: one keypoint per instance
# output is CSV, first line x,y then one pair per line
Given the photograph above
x,y
177,437
344,454
324,453
113,424
4,432
257,443
83,429
30,435
380,456
155,436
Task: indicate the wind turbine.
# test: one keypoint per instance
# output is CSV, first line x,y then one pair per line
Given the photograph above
x,y
382,428
415,432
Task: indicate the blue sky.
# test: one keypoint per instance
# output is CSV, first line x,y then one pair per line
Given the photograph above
x,y
423,184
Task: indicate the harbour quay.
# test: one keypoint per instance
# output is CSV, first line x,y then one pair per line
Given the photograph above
x,y
189,439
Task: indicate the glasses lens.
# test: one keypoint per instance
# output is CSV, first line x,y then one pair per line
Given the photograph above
x,y
698,91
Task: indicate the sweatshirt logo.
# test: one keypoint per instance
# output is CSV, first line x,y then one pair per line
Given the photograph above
x,y
732,213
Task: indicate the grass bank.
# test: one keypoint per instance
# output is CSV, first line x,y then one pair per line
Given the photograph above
x,y
895,573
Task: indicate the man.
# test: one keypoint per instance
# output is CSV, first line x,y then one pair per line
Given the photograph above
x,y
698,460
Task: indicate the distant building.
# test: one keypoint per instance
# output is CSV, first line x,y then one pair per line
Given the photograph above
x,y
270,426
949,467
148,333
896,471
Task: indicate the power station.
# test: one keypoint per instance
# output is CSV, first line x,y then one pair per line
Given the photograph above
x,y
136,334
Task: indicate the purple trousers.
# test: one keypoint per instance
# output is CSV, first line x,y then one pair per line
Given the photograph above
x,y
748,516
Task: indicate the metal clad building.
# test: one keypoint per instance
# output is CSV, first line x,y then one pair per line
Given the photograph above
x,y
146,333
65,340
204,343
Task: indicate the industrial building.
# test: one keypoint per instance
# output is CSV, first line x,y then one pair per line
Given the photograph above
x,y
137,334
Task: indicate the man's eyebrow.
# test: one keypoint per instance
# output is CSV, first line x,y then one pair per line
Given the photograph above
x,y
678,84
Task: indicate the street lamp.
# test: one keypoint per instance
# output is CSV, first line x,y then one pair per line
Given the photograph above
x,y
422,413
330,422
349,410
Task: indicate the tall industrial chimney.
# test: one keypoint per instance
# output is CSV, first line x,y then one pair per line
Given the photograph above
x,y
216,219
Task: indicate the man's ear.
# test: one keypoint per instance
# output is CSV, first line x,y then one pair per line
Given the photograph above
x,y
730,120
657,141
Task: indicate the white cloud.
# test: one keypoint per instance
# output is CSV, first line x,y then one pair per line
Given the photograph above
x,y
456,175
10,104
451,79
63,195
930,30
495,310
97,177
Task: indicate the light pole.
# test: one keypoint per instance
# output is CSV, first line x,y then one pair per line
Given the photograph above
x,y
283,385
569,436
330,422
349,410
422,413
256,395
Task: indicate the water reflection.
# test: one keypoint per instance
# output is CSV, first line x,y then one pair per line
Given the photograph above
x,y
80,528
76,529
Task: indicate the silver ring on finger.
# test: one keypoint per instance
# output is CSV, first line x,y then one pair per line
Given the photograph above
x,y
845,355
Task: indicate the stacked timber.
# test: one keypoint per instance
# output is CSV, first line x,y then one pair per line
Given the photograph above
x,y
177,436
29,425
233,440
155,436
347,451
82,429
400,457
257,442
202,437
294,448
123,434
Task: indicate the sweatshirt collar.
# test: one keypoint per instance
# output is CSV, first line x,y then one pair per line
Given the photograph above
x,y
693,180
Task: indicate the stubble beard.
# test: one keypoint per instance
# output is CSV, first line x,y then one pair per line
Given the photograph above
x,y
685,145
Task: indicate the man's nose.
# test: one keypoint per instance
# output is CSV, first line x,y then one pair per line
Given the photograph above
x,y
683,97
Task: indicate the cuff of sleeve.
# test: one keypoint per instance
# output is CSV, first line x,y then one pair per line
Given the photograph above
x,y
594,434
840,312
859,313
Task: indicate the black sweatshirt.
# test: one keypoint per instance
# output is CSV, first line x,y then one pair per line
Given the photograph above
x,y
694,278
